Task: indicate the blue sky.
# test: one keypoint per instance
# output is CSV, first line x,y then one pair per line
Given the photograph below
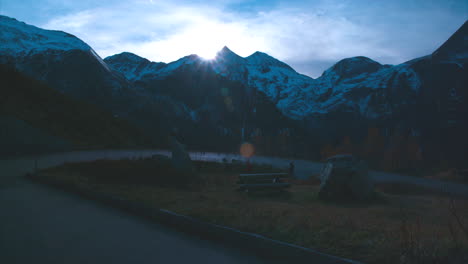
x,y
309,35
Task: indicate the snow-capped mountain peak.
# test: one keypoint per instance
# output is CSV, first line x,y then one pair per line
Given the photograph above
x,y
229,64
127,57
226,53
226,58
260,58
20,38
349,67
132,66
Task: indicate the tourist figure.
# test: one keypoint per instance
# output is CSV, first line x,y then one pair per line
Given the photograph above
x,y
291,169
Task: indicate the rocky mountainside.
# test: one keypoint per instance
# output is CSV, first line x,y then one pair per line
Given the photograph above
x,y
353,94
352,85
70,66
62,60
133,66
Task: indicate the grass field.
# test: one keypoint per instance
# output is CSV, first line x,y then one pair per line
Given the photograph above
x,y
394,228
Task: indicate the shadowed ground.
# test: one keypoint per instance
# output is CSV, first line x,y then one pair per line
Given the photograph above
x,y
43,225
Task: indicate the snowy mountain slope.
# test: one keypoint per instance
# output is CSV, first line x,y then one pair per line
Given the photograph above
x,y
349,68
70,66
62,60
348,86
132,66
230,65
259,71
175,66
19,38
275,78
354,84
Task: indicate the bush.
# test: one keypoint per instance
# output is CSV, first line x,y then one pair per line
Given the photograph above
x,y
145,171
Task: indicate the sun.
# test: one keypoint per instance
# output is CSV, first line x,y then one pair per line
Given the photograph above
x,y
207,38
207,48
207,54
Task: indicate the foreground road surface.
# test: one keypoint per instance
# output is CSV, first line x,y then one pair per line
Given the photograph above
x,y
39,224
43,225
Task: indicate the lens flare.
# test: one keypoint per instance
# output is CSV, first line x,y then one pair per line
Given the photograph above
x,y
247,150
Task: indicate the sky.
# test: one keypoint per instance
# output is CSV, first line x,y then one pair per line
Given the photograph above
x,y
310,36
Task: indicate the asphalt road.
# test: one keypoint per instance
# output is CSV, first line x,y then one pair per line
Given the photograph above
x,y
39,224
43,225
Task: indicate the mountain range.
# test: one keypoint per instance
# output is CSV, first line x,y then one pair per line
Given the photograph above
x,y
216,104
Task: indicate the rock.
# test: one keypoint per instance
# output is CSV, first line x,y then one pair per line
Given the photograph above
x,y
180,158
345,177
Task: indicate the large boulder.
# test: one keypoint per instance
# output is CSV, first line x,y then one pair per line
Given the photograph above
x,y
344,177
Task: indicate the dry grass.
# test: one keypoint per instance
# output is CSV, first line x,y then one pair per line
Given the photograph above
x,y
393,229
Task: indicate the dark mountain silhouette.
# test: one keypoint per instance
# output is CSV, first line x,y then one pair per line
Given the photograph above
x,y
455,48
37,118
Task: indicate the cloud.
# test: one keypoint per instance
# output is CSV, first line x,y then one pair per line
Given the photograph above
x,y
310,37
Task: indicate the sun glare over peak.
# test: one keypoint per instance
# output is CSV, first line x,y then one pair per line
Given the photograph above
x,y
207,54
208,37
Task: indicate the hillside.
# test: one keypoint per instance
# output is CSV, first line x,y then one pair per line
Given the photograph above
x,y
28,105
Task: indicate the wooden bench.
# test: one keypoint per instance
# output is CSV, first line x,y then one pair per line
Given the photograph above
x,y
261,181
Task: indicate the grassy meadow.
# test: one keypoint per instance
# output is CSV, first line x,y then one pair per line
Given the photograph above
x,y
397,227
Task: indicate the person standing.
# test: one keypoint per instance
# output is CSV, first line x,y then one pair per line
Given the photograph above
x,y
291,169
